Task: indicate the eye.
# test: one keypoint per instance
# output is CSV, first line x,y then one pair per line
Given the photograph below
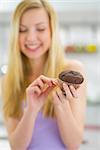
x,y
22,30
41,29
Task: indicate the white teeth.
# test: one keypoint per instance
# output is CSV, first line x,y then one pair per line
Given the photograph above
x,y
32,47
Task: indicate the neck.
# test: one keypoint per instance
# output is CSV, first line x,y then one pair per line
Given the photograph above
x,y
37,66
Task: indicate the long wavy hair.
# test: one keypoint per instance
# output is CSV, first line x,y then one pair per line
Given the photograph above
x,y
16,78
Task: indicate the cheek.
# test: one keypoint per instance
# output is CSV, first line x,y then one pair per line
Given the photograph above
x,y
21,41
47,38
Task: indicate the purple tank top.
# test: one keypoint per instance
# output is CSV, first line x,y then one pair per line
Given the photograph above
x,y
46,135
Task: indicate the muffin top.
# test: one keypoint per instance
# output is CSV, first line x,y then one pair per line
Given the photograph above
x,y
71,76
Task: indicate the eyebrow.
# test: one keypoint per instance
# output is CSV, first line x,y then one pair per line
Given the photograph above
x,y
40,23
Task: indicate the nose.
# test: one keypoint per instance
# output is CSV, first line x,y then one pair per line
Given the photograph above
x,y
31,36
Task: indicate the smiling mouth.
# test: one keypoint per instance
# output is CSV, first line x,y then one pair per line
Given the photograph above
x,y
33,48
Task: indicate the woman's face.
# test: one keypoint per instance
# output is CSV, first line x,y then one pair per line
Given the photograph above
x,y
34,33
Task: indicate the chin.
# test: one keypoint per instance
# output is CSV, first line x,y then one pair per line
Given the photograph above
x,y
33,57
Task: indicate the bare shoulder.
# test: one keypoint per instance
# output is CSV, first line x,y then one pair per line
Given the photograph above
x,y
75,65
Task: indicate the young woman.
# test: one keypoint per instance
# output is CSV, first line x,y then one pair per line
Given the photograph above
x,y
37,115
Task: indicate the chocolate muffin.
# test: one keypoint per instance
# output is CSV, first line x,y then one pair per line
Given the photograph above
x,y
70,77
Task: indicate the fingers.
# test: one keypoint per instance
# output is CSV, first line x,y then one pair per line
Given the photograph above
x,y
38,83
46,80
59,97
42,80
70,91
33,90
76,86
41,85
73,91
67,91
56,100
47,90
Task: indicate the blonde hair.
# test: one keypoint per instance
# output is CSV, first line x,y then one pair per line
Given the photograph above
x,y
16,78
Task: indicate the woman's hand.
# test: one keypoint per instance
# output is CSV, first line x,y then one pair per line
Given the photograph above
x,y
37,92
60,100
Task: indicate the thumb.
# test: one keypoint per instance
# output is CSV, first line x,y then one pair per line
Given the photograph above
x,y
48,90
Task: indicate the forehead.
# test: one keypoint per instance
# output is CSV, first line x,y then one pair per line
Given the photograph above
x,y
33,16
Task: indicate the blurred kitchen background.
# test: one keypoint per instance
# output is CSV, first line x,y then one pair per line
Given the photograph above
x,y
79,22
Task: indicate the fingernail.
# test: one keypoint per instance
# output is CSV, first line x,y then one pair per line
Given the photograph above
x,y
54,82
71,86
64,84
